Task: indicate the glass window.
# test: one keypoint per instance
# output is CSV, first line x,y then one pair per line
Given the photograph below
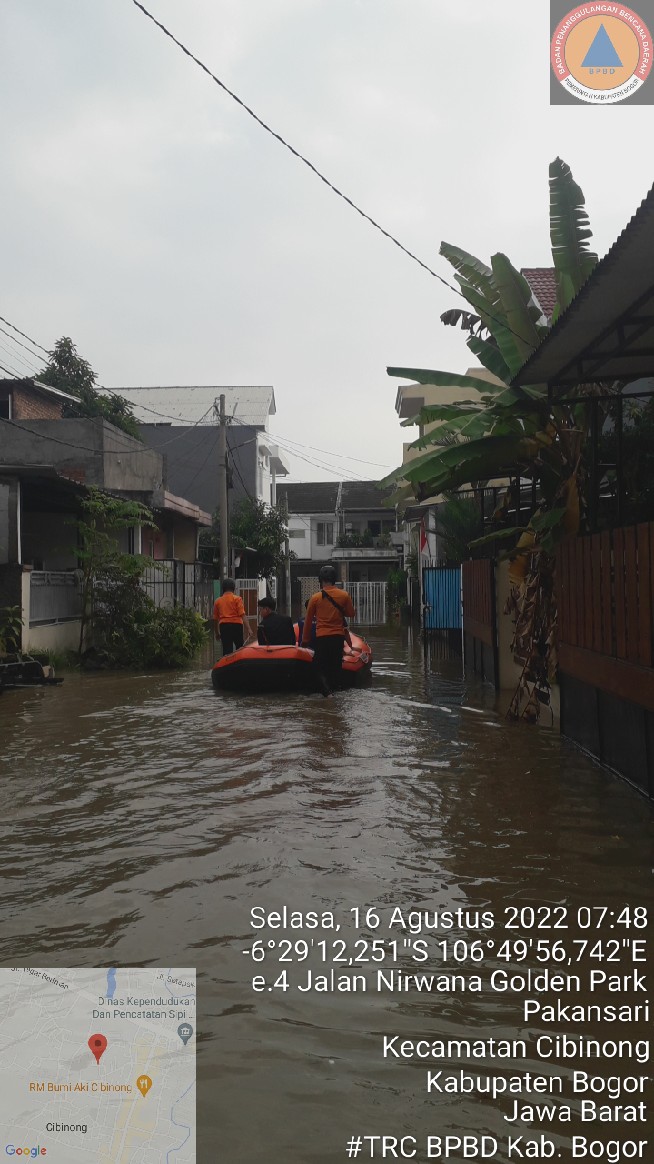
x,y
325,533
296,533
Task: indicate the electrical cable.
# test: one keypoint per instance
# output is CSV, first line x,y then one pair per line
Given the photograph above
x,y
330,452
17,341
14,375
310,165
27,337
17,356
317,464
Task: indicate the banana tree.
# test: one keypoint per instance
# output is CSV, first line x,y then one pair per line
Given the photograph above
x,y
503,431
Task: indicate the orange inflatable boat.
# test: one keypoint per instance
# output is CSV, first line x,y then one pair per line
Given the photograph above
x,y
260,668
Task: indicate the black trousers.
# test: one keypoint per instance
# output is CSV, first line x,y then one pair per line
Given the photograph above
x,y
328,661
231,636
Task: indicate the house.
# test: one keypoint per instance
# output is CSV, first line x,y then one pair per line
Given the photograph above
x,y
47,464
344,523
180,423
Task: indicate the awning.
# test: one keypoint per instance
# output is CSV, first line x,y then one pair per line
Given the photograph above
x,y
607,332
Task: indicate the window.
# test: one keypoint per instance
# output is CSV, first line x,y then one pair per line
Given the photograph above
x,y
5,409
325,533
296,533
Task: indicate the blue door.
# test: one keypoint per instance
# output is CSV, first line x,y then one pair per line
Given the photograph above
x,y
441,592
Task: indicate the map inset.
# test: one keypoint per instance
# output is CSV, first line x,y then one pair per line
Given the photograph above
x,y
97,1066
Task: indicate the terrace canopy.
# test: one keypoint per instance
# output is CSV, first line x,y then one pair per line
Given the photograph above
x,y
607,332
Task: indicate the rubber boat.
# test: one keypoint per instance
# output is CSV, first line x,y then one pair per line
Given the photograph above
x,y
259,668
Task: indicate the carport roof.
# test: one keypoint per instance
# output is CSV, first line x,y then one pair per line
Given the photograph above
x,y
607,332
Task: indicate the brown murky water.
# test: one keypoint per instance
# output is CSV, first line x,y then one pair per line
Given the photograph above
x,y
143,816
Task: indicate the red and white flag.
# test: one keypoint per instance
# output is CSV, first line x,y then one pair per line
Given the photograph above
x,y
424,543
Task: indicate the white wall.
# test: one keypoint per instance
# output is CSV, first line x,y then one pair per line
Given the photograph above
x,y
307,546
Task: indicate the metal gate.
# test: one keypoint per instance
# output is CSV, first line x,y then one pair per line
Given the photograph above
x,y
441,596
369,599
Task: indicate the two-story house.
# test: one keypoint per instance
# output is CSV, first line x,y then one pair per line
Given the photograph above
x,y
47,463
344,523
181,423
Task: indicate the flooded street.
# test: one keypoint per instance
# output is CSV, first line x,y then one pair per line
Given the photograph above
x,y
144,816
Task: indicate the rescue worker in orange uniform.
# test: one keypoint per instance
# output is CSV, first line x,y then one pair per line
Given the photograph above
x,y
229,618
329,606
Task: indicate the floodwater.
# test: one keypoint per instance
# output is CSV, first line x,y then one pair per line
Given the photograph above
x,y
143,816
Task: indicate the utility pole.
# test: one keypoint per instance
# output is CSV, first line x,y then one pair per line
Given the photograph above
x,y
287,562
223,515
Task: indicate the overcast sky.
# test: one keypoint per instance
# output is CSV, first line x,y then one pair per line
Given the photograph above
x,y
148,217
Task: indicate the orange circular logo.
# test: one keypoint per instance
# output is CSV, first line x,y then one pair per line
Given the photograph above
x,y
601,53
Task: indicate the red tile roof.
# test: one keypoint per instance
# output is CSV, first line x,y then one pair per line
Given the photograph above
x,y
543,284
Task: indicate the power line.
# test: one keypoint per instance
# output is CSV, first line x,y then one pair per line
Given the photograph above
x,y
286,144
27,337
17,356
330,452
314,169
337,470
17,341
14,375
317,464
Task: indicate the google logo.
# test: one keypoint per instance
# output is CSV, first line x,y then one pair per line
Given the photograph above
x,y
11,1150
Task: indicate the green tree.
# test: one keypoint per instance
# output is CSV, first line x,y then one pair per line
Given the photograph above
x,y
67,370
260,529
514,431
104,567
120,623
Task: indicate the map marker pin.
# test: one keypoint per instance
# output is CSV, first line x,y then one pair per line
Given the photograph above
x,y
98,1045
144,1083
185,1030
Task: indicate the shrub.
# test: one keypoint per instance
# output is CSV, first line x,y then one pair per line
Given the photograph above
x,y
173,637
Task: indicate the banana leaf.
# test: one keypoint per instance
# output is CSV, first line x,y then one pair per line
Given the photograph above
x,y
499,535
465,426
443,379
569,232
490,356
470,268
478,460
435,412
518,307
494,318
552,517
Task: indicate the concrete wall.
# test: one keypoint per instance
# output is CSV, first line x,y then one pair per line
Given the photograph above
x,y
93,452
191,460
185,541
307,548
61,636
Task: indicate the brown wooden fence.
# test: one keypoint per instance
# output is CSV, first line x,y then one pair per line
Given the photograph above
x,y
478,586
605,586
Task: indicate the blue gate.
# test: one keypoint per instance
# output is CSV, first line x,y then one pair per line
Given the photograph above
x,y
441,596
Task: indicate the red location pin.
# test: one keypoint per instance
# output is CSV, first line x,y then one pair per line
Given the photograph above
x,y
98,1045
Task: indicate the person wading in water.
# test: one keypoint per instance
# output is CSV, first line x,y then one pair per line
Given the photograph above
x,y
329,606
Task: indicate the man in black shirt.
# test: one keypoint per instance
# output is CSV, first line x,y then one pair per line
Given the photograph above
x,y
275,630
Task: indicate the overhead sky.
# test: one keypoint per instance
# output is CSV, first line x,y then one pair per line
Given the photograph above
x,y
149,218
